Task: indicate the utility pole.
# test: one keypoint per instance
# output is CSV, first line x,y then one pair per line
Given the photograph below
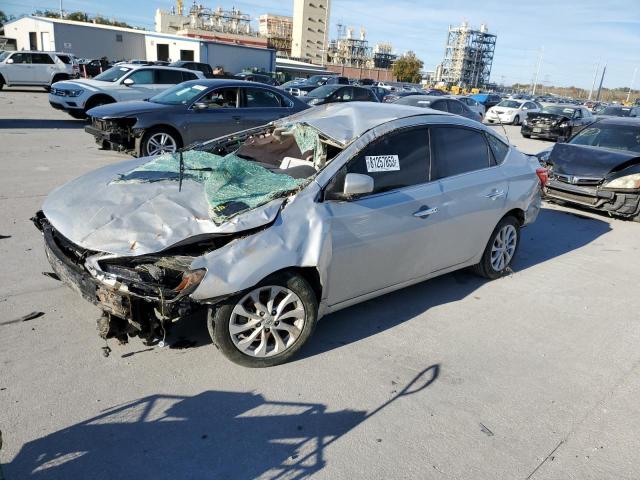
x,y
61,11
604,70
633,80
535,81
595,78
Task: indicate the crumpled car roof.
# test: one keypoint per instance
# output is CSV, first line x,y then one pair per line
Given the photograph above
x,y
344,122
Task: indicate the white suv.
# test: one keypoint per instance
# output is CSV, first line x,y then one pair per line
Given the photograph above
x,y
120,83
40,69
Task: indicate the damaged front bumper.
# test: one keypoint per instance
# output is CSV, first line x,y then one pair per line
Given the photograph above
x,y
116,134
131,306
623,204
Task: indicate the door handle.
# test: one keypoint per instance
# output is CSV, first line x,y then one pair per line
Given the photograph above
x,y
425,212
495,194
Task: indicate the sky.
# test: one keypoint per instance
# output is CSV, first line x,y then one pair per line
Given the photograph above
x,y
573,36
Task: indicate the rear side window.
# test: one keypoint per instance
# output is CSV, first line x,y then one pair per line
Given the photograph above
x,y
457,150
259,98
188,76
42,58
361,95
455,107
169,77
439,105
398,159
64,59
498,148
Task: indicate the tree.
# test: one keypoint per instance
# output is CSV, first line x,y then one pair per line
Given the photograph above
x,y
4,18
407,68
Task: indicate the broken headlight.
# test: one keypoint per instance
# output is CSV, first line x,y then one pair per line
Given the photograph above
x,y
628,182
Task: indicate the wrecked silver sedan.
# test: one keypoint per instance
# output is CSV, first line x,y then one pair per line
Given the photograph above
x,y
269,229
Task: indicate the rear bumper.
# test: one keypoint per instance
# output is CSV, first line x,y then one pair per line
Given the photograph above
x,y
623,204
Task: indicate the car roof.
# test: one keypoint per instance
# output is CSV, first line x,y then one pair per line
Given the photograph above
x,y
344,122
229,82
38,51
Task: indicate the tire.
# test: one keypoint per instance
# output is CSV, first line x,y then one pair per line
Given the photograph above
x,y
516,120
497,267
526,135
78,115
167,141
262,351
1,82
96,102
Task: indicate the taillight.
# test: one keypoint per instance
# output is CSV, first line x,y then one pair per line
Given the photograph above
x,y
543,175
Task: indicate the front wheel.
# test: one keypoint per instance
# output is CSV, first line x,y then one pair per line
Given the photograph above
x,y
500,250
516,120
157,141
266,325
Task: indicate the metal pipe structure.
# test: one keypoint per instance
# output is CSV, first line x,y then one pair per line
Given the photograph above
x,y
604,70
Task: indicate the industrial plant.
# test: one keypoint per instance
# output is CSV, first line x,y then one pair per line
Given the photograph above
x,y
468,57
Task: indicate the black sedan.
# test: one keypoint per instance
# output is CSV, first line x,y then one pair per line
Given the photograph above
x,y
619,111
598,168
556,121
191,111
339,93
445,104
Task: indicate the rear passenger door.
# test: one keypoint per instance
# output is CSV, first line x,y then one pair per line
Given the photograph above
x,y
472,193
43,68
260,106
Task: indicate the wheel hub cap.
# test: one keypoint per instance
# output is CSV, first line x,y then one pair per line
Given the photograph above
x,y
503,248
267,321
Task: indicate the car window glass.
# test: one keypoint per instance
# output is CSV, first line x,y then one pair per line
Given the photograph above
x,y
457,150
41,58
346,94
65,59
186,76
260,98
360,95
221,98
142,77
168,77
455,107
498,148
439,105
577,113
398,159
21,58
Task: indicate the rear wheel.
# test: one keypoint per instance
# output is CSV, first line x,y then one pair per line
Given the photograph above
x,y
1,82
157,141
266,325
500,250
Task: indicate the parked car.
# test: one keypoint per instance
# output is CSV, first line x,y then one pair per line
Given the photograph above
x,y
472,104
487,100
297,89
257,77
120,83
393,96
205,68
35,69
339,93
444,104
336,80
598,168
511,111
555,121
619,111
190,112
92,68
267,238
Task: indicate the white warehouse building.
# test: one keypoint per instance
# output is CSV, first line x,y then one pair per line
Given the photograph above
x,y
90,40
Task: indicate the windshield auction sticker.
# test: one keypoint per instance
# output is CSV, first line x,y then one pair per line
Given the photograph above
x,y
382,163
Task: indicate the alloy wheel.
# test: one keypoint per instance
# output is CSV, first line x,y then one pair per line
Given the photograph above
x,y
161,143
503,248
267,321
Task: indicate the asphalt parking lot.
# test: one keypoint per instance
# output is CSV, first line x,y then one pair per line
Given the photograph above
x,y
533,376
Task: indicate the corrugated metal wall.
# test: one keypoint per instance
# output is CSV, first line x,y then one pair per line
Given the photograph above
x,y
90,42
235,58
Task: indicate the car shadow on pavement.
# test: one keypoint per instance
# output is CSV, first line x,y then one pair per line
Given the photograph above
x,y
36,123
215,434
554,233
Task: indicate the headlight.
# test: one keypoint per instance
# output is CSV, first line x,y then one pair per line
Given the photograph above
x,y
74,93
190,280
629,182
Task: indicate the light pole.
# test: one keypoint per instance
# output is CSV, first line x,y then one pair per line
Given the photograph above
x,y
535,81
604,70
595,78
633,80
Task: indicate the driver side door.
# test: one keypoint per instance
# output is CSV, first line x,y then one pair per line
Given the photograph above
x,y
221,117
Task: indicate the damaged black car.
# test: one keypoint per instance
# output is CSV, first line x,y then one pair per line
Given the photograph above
x,y
599,168
555,122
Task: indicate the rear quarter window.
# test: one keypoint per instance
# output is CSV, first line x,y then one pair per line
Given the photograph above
x,y
499,149
64,59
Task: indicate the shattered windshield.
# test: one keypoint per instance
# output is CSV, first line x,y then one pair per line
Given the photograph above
x,y
112,75
278,162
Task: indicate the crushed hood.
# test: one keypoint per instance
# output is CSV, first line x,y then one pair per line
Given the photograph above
x,y
583,160
132,219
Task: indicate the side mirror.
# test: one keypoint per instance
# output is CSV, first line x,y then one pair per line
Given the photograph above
x,y
9,60
200,106
357,184
128,82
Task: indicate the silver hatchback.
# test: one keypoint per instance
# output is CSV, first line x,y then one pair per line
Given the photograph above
x,y
269,229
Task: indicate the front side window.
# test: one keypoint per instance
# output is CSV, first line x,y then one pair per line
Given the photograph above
x,y
439,105
142,77
398,159
344,95
260,98
455,107
457,150
21,58
221,98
